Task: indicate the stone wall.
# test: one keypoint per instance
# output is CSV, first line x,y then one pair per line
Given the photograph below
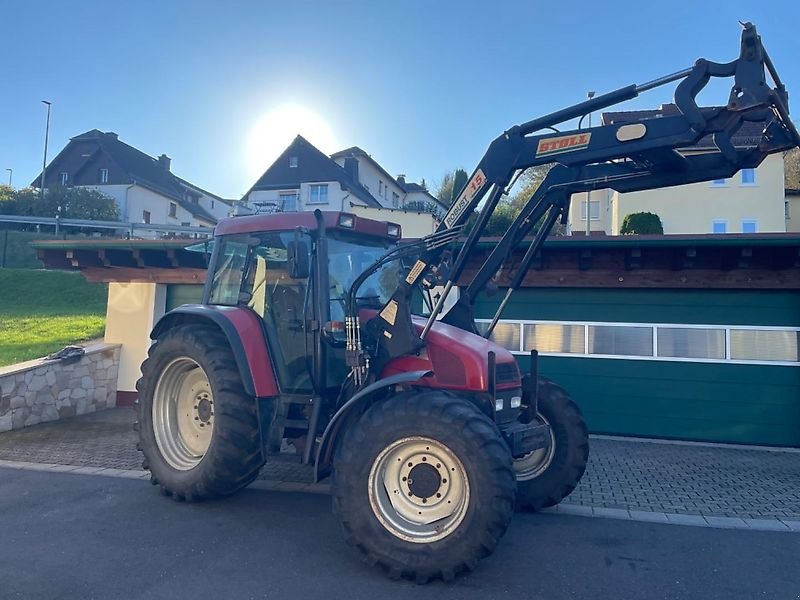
x,y
46,390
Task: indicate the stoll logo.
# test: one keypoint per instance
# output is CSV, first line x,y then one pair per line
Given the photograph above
x,y
564,143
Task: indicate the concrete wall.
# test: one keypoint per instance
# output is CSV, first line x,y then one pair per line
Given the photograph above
x,y
133,309
47,390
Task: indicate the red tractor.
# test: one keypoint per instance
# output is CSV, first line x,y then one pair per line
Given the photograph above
x,y
306,341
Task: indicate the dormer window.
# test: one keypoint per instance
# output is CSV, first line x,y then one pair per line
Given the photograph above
x,y
293,162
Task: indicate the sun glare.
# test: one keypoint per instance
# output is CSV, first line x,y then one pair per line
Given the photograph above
x,y
273,132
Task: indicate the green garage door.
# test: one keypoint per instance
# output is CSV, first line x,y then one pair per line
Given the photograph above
x,y
183,293
698,365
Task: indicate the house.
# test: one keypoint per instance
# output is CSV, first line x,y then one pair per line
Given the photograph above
x,y
303,178
144,188
750,202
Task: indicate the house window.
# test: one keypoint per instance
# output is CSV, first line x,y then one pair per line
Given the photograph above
x,y
748,176
186,224
380,188
212,203
293,162
765,345
749,226
395,199
719,183
64,177
103,176
594,210
146,217
288,201
691,342
506,335
556,338
719,226
173,209
318,193
620,340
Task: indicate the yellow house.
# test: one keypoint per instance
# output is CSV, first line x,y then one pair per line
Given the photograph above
x,y
752,201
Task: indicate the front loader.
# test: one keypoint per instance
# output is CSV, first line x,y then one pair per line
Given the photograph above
x,y
306,347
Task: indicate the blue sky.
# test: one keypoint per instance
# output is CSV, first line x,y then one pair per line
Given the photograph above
x,y
423,86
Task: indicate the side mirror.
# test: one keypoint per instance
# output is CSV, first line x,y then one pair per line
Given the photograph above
x,y
297,259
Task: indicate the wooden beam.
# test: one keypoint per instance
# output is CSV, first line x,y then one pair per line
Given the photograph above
x,y
151,275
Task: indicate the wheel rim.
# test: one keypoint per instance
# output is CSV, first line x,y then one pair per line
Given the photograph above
x,y
183,414
419,490
533,464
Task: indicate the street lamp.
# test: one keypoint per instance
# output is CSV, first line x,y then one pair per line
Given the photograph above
x,y
10,174
46,136
589,96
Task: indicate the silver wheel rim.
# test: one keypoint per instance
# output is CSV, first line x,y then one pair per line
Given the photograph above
x,y
533,464
183,414
425,510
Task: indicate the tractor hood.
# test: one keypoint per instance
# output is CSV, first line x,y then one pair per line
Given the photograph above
x,y
458,359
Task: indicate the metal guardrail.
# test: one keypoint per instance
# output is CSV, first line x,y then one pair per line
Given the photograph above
x,y
131,228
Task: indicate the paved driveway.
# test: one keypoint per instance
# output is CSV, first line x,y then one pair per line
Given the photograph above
x,y
77,536
696,484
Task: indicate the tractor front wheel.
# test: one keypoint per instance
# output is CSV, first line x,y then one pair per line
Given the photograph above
x,y
546,476
198,429
423,485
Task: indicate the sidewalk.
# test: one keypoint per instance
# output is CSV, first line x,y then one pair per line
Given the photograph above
x,y
666,482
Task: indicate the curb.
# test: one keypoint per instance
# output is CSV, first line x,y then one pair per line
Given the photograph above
x,y
576,510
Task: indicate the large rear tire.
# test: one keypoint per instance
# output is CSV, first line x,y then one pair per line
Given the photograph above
x,y
423,485
198,429
545,477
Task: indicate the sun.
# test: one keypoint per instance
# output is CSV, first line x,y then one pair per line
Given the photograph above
x,y
272,133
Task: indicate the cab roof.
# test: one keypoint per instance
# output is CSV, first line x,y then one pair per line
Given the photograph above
x,y
289,220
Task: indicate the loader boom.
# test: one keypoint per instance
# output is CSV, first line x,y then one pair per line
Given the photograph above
x,y
623,157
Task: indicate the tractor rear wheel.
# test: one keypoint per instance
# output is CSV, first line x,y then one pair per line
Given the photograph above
x,y
198,429
545,477
423,485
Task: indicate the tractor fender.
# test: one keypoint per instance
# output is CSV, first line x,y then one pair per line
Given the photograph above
x,y
242,328
360,400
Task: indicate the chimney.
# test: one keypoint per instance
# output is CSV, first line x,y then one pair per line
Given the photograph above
x,y
401,179
164,162
351,167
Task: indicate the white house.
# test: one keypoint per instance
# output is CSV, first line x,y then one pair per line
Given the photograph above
x,y
753,201
144,188
304,178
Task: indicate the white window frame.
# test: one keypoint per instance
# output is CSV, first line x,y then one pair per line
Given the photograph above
x,y
742,182
287,193
103,175
655,326
319,186
173,210
592,203
748,220
723,222
63,177
293,162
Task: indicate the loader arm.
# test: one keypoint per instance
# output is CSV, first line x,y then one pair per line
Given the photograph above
x,y
624,157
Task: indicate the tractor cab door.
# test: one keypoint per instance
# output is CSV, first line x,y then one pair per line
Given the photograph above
x,y
281,301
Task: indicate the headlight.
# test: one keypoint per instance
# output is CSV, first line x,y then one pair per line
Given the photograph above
x,y
516,401
498,404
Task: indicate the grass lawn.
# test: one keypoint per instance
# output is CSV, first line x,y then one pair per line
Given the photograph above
x,y
43,311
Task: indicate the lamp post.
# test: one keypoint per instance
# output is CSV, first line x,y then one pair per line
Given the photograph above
x,y
589,96
46,136
10,175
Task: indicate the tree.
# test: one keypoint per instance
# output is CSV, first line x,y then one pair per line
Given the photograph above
x,y
444,191
74,203
791,163
641,223
459,181
8,203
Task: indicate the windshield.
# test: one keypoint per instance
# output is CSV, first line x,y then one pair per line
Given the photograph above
x,y
348,257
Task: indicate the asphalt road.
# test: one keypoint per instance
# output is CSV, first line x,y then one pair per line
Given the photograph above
x,y
75,536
